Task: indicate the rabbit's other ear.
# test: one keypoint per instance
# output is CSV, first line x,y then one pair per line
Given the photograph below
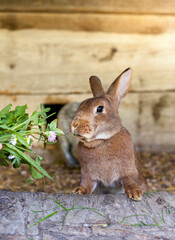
x,y
119,87
96,86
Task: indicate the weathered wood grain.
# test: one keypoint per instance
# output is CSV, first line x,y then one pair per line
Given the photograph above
x,y
149,117
15,207
61,62
119,23
110,6
33,101
156,121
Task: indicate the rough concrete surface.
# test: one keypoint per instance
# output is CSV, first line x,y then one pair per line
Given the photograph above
x,y
16,215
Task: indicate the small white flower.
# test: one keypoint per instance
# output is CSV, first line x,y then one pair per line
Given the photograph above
x,y
28,139
11,157
13,140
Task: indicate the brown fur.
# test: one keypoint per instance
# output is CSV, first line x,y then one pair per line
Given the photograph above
x,y
106,151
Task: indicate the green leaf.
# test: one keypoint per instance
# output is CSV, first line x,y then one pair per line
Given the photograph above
x,y
17,162
39,159
8,147
2,154
5,110
58,131
22,140
35,173
14,160
41,107
22,118
40,137
20,110
5,137
21,125
9,150
4,162
46,109
4,127
35,117
53,124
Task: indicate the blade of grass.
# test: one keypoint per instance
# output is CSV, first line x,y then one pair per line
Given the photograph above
x,y
61,205
39,211
134,215
162,217
145,224
153,219
42,219
68,211
148,194
92,209
96,212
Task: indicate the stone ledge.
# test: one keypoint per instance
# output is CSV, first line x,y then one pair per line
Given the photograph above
x,y
16,215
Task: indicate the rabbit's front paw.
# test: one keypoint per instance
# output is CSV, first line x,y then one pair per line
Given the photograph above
x,y
134,193
80,190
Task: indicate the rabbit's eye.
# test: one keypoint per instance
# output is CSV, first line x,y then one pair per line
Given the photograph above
x,y
100,109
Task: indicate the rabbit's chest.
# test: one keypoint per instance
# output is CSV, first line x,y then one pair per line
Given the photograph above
x,y
101,166
105,173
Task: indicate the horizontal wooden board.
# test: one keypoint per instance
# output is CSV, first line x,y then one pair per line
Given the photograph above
x,y
61,62
157,119
117,6
34,101
149,117
118,23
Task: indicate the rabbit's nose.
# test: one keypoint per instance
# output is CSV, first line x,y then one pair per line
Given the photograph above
x,y
74,126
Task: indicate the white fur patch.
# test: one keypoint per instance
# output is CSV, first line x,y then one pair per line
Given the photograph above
x,y
94,187
103,136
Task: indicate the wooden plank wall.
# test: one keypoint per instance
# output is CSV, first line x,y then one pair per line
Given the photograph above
x,y
48,50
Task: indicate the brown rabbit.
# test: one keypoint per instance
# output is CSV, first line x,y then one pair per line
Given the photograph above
x,y
105,149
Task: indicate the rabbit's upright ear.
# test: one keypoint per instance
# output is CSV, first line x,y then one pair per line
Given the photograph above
x,y
119,87
96,86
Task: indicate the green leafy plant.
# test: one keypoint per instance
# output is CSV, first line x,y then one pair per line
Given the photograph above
x,y
17,131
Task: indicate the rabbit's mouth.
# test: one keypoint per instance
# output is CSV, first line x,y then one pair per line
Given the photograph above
x,y
81,138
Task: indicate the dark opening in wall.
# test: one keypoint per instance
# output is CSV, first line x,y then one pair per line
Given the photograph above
x,y
54,108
